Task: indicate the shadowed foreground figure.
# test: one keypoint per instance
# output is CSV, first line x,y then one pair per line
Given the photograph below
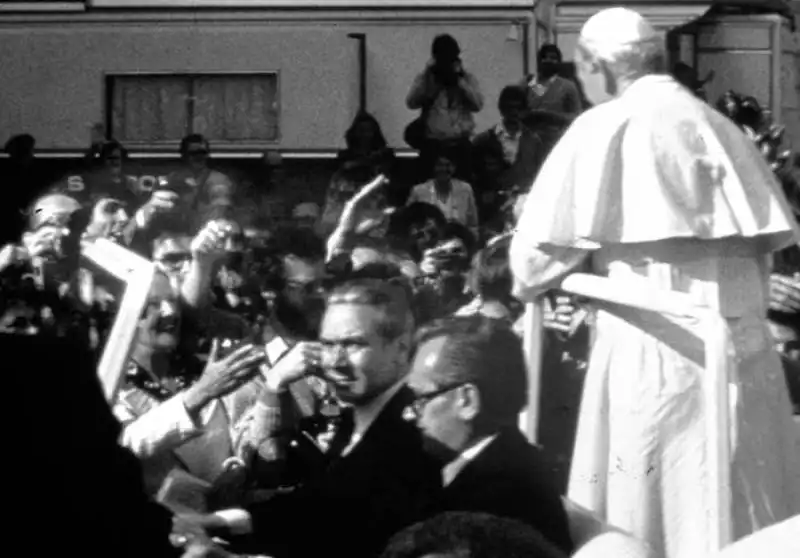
x,y
71,486
470,535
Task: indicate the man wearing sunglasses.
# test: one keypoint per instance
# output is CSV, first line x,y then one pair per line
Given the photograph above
x,y
470,384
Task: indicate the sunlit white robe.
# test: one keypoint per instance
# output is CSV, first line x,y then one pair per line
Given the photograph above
x,y
658,189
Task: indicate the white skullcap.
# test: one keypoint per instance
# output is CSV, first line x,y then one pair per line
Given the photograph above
x,y
614,544
616,31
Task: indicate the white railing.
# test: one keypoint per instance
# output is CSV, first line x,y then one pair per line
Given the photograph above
x,y
136,275
608,295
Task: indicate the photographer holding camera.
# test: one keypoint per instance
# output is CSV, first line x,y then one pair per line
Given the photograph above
x,y
447,97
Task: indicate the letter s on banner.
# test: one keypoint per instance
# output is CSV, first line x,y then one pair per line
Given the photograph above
x,y
75,183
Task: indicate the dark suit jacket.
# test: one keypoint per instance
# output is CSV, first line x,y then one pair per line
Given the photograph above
x,y
510,478
530,156
384,484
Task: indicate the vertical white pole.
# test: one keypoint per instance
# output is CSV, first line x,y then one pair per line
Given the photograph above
x,y
533,345
718,427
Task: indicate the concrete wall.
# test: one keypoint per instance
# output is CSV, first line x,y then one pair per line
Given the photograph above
x,y
53,71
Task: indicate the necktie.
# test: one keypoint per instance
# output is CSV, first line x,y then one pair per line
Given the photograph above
x,y
345,425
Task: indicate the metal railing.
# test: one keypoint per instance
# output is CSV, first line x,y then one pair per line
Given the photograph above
x,y
609,295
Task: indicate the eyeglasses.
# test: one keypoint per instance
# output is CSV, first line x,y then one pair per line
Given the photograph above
x,y
415,409
305,289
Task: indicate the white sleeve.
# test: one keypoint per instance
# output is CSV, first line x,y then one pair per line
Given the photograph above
x,y
237,520
537,269
162,428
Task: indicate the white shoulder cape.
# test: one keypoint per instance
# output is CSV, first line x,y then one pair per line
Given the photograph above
x,y
656,163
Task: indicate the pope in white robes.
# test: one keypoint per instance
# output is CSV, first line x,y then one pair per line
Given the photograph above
x,y
654,188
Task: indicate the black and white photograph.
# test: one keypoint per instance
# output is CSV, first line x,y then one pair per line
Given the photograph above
x,y
400,278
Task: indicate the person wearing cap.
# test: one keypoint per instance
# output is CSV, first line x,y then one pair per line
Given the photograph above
x,y
660,192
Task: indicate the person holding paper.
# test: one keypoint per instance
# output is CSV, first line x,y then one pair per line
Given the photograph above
x,y
658,191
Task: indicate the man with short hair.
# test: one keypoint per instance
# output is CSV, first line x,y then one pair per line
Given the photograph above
x,y
470,384
522,150
548,91
378,478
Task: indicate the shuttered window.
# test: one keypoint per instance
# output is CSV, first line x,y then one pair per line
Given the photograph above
x,y
232,109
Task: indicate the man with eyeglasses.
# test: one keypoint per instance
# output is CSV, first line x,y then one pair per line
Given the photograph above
x,y
469,378
377,478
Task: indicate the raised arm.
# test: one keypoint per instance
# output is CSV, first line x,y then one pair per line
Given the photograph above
x,y
472,92
423,92
347,229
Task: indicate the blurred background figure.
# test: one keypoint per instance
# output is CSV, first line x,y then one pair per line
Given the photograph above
x,y
447,96
306,215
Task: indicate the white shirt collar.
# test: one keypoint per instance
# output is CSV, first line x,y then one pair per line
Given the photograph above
x,y
452,469
365,415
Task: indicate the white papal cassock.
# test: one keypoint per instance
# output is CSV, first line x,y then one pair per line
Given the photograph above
x,y
656,188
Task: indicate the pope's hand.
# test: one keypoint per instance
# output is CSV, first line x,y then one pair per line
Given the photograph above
x,y
560,316
784,293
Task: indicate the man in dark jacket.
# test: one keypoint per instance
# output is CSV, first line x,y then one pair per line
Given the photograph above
x,y
470,383
377,478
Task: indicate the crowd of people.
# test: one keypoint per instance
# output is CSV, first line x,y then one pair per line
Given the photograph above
x,y
348,384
